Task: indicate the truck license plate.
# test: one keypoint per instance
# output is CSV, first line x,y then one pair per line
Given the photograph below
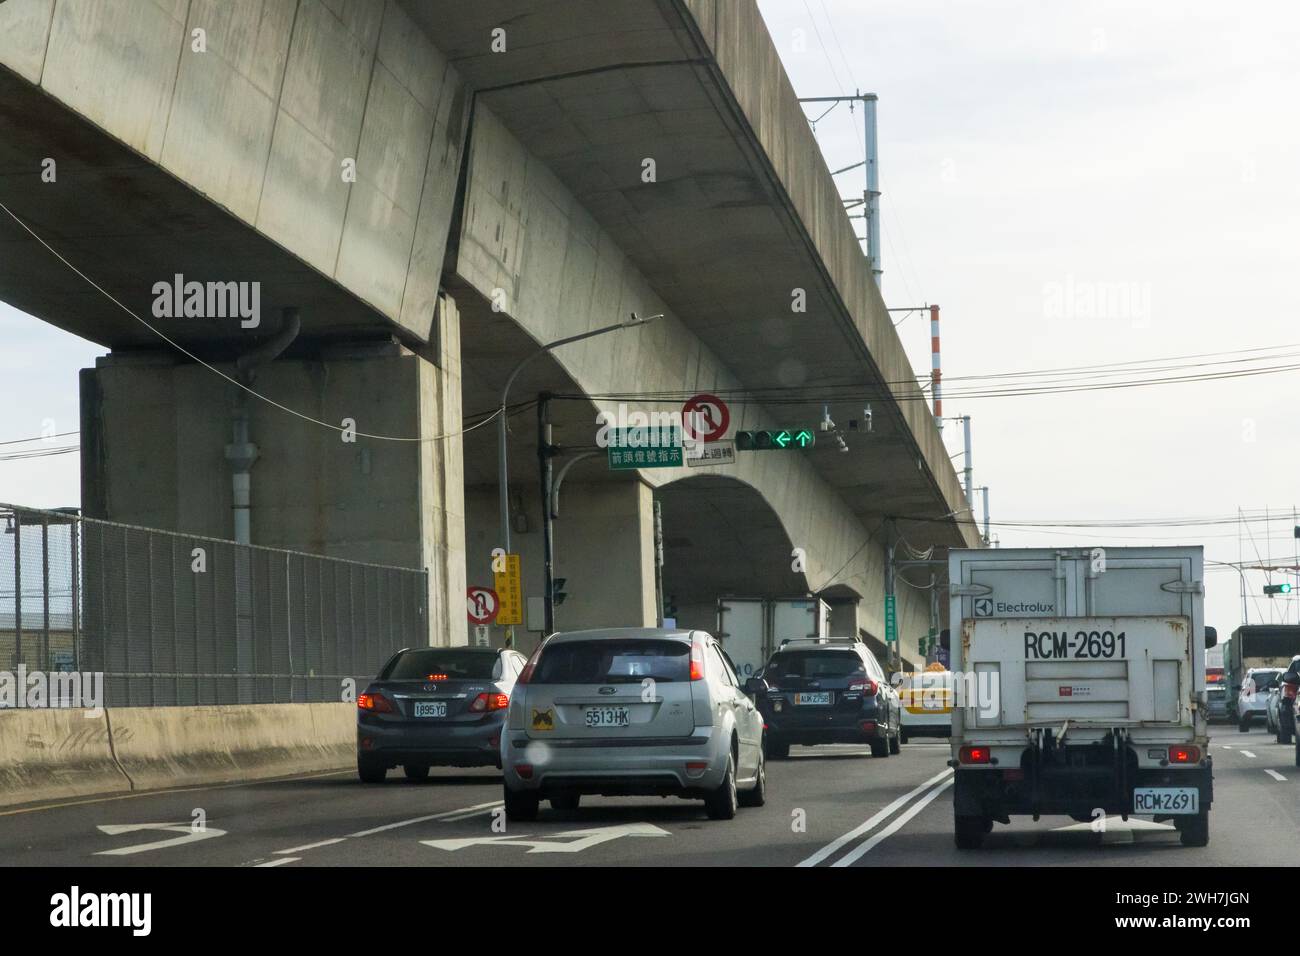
x,y
1162,800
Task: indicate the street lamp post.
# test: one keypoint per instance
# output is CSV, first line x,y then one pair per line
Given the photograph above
x,y
503,480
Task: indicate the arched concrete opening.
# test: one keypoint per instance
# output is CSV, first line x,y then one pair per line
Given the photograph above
x,y
731,568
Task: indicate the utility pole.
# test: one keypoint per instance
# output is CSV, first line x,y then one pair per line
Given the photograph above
x,y
659,564
985,491
545,452
871,195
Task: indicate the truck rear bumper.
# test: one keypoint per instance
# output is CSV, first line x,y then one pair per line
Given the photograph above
x,y
1077,792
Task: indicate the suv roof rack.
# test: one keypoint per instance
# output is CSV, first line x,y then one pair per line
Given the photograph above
x,y
848,641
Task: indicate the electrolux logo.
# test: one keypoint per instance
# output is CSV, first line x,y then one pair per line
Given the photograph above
x,y
987,607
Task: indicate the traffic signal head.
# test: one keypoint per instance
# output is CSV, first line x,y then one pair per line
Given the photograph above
x,y
1271,589
776,439
558,594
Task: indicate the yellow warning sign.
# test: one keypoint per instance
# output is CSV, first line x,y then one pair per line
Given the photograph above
x,y
510,592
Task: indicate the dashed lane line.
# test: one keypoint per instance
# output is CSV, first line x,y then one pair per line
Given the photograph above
x,y
1275,775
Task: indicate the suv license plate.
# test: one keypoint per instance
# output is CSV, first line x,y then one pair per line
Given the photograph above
x,y
1162,800
606,716
823,698
430,708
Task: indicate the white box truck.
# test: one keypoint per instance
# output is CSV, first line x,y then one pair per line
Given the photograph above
x,y
1080,675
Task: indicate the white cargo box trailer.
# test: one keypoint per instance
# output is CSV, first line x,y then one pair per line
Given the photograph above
x,y
1081,687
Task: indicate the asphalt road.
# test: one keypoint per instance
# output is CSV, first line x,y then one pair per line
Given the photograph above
x,y
827,806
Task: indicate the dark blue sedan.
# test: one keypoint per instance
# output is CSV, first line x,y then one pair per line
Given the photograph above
x,y
434,706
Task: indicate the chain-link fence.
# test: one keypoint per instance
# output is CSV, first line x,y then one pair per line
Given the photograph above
x,y
177,619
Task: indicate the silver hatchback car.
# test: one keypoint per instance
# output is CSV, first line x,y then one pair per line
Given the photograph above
x,y
631,711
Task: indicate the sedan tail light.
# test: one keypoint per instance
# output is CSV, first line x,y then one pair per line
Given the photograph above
x,y
376,703
485,703
867,687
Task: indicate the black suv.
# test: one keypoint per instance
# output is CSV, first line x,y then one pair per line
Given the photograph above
x,y
826,690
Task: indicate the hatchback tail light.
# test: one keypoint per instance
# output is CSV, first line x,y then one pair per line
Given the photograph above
x,y
697,660
376,704
971,754
526,674
867,687
485,703
1184,754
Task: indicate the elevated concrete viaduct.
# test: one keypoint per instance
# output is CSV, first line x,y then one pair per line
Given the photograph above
x,y
439,188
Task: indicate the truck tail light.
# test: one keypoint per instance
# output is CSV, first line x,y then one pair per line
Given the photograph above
x,y
975,754
1181,754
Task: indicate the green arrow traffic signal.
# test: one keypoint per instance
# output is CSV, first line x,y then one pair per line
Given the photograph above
x,y
768,440
1271,589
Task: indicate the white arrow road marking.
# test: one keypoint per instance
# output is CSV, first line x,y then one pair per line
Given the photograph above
x,y
191,835
1117,830
579,839
1247,753
913,810
1275,775
862,828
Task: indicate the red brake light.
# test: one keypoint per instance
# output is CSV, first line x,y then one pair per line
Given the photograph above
x,y
526,674
697,660
1180,754
489,702
376,703
975,755
436,677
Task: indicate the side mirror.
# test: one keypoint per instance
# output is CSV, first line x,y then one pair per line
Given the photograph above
x,y
1211,637
755,685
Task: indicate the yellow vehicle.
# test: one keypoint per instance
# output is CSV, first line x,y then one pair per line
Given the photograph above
x,y
927,698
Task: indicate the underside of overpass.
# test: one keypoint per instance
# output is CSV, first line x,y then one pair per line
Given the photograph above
x,y
482,177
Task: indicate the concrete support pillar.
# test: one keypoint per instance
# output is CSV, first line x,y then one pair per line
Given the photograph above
x,y
604,549
154,434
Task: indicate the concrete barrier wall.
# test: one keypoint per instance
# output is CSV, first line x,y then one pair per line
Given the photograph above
x,y
52,754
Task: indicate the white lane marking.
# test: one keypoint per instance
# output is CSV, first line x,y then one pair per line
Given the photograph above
x,y
310,846
448,815
280,862
189,834
866,847
1275,775
473,813
580,839
862,828
1247,753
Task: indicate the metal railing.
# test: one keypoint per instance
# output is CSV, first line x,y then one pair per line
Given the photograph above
x,y
175,619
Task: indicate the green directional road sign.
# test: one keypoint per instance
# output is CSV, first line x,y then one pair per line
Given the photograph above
x,y
891,620
649,447
776,439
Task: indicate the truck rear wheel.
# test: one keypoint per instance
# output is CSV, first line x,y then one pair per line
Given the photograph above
x,y
969,832
1195,831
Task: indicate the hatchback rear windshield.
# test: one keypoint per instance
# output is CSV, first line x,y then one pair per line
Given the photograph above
x,y
613,662
444,665
815,664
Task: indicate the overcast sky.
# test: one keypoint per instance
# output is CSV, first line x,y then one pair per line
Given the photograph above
x,y
1032,155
